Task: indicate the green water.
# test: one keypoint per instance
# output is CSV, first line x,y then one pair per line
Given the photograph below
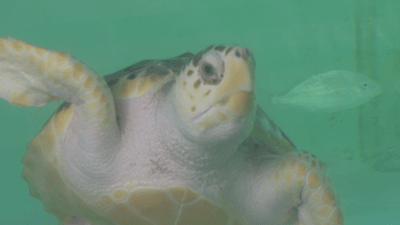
x,y
291,40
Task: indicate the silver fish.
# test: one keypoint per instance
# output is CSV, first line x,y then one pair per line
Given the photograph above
x,y
330,92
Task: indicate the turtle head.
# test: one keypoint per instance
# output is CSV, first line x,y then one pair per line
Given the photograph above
x,y
214,93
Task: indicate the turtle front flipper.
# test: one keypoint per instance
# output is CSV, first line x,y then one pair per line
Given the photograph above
x,y
81,136
290,189
34,76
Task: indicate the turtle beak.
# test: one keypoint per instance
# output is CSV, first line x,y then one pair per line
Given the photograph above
x,y
236,92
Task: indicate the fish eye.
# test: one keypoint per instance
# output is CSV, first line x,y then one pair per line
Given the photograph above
x,y
365,84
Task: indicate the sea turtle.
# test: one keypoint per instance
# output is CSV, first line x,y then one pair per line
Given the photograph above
x,y
179,141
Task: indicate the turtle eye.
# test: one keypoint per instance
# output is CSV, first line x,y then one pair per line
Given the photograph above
x,y
211,69
208,69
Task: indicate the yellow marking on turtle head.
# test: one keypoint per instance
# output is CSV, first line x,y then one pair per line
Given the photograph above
x,y
206,124
240,77
240,103
221,116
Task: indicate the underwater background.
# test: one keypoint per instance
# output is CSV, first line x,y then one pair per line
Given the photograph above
x,y
291,40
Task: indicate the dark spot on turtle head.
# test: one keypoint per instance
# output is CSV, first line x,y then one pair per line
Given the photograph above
x,y
207,93
208,48
189,72
237,53
228,50
219,48
196,58
193,109
196,84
